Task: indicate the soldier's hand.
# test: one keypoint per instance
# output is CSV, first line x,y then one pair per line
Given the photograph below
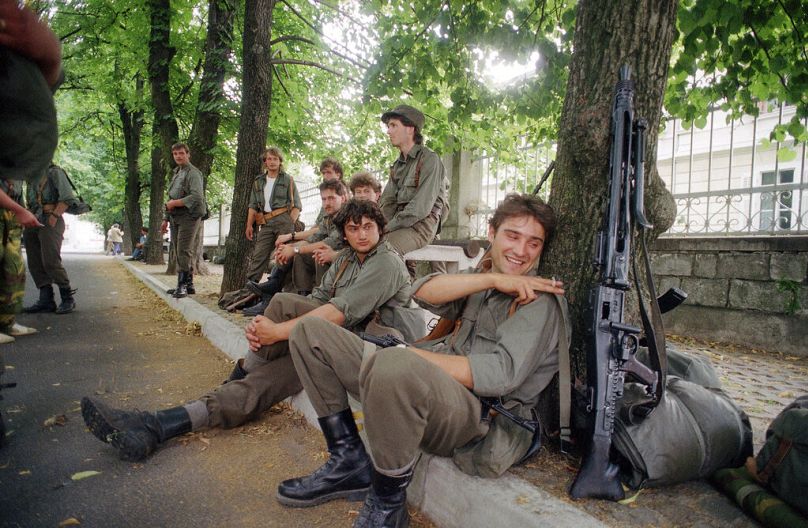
x,y
164,227
249,232
524,287
52,219
284,254
283,239
27,219
324,255
260,332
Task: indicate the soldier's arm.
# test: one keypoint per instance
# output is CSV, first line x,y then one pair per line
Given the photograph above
x,y
195,185
23,215
430,185
442,289
263,331
297,206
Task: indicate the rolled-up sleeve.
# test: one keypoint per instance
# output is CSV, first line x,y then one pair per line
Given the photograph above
x,y
63,187
374,286
450,310
523,343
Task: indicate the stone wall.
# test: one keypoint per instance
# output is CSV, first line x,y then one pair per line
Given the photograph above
x,y
732,286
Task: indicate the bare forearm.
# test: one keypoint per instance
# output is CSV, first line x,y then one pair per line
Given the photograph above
x,y
442,289
457,367
329,312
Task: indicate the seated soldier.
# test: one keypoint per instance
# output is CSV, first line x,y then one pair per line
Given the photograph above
x,y
427,398
296,253
365,186
366,278
140,247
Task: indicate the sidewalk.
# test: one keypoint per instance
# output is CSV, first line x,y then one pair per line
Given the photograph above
x,y
535,494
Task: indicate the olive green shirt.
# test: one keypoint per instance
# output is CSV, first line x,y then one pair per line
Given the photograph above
x,y
327,232
280,193
514,358
51,188
380,281
187,185
406,199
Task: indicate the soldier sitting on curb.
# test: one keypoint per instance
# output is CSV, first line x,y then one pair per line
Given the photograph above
x,y
504,345
367,280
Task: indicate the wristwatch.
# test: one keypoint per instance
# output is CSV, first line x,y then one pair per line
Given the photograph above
x,y
296,250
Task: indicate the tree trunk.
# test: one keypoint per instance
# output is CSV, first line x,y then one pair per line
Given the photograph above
x,y
205,128
255,108
132,122
639,33
165,125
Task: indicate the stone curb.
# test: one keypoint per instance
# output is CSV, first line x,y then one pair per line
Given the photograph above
x,y
505,501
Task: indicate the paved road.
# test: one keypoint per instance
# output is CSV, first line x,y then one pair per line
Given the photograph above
x,y
124,345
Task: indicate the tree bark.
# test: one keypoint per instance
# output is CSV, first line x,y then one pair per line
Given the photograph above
x,y
132,123
639,33
255,109
165,125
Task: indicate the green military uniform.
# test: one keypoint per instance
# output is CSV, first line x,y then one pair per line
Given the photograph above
x,y
410,404
186,185
380,283
284,195
12,268
43,245
414,198
306,273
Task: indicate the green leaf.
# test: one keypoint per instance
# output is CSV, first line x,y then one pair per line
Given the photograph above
x,y
786,154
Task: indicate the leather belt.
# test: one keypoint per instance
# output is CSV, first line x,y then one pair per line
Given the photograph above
x,y
275,212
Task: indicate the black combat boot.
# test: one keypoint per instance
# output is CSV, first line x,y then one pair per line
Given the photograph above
x,y
134,434
189,283
68,303
272,285
45,302
256,309
238,371
346,474
181,290
386,504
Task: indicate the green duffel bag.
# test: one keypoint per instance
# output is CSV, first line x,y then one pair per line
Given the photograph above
x,y
782,463
696,369
690,434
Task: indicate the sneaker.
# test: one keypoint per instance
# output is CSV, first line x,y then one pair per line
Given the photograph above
x,y
18,330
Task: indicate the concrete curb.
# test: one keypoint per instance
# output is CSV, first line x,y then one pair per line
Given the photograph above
x,y
505,501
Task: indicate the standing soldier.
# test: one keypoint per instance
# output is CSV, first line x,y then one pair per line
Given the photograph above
x,y
184,210
48,199
415,195
274,206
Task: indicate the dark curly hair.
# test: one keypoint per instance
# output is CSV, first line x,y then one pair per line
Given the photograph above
x,y
354,210
335,185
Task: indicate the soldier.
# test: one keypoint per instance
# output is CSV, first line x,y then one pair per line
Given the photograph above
x,y
365,186
504,345
415,195
274,206
369,277
48,199
183,211
12,268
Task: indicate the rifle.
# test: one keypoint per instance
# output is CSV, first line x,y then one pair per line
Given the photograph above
x,y
611,342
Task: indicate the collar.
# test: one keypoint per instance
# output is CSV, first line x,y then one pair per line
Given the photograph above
x,y
412,154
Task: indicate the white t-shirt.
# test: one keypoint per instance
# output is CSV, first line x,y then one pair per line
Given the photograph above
x,y
268,193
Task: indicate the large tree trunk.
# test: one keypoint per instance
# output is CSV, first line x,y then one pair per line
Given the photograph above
x,y
165,125
205,129
639,33
132,122
255,107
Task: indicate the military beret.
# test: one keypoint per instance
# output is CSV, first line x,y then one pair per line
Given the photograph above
x,y
413,114
28,130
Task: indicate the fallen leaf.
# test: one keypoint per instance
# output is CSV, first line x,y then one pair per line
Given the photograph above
x,y
70,521
786,394
521,499
55,384
204,440
24,472
630,500
84,474
59,419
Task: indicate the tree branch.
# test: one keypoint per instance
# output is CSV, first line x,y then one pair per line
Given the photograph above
x,y
315,65
796,31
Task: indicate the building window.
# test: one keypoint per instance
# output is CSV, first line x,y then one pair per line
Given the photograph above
x,y
776,206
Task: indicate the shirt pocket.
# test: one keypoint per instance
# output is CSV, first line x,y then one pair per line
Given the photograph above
x,y
280,194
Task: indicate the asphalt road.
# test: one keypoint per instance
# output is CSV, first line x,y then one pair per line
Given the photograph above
x,y
125,346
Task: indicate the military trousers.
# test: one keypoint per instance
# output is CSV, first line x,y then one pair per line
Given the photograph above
x,y
306,273
271,376
12,269
409,404
265,244
43,247
418,235
183,228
